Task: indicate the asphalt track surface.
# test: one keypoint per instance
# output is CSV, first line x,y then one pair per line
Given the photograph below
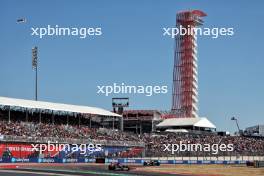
x,y
72,170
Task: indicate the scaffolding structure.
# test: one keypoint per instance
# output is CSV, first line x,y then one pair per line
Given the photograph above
x,y
185,71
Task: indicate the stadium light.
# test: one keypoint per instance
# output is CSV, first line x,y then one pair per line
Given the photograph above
x,y
35,68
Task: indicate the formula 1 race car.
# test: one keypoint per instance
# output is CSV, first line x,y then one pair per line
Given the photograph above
x,y
151,163
118,167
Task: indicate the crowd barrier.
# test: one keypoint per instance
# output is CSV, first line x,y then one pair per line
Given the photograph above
x,y
258,164
109,160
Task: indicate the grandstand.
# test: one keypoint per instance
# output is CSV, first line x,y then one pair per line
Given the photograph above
x,y
26,122
257,130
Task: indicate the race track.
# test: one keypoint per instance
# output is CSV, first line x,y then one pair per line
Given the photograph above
x,y
73,169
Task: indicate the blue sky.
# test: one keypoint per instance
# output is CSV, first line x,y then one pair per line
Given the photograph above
x,y
133,50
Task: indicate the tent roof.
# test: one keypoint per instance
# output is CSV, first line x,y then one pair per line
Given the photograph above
x,y
198,122
205,123
42,105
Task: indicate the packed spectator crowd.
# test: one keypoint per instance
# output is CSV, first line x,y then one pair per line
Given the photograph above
x,y
30,129
154,143
241,145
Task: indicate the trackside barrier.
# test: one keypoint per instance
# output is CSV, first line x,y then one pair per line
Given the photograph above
x,y
128,161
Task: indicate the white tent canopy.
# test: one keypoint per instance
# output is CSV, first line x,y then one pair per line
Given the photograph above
x,y
42,105
181,122
204,123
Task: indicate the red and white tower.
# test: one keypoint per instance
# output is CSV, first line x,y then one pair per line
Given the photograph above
x,y
185,71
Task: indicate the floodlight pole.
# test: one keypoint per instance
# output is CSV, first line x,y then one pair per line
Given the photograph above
x,y
36,85
122,123
9,114
35,68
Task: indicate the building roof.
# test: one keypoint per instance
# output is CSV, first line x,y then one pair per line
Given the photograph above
x,y
141,111
42,105
181,122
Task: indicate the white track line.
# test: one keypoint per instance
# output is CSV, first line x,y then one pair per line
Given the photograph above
x,y
35,173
